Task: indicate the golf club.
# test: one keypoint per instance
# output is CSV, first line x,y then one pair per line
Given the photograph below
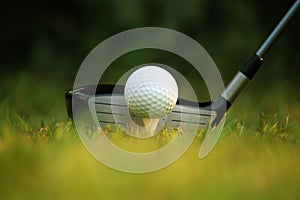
x,y
109,109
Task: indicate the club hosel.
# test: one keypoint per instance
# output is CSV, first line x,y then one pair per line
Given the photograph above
x,y
242,78
251,66
235,87
220,105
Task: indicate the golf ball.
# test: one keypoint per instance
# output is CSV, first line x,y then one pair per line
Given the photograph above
x,y
151,92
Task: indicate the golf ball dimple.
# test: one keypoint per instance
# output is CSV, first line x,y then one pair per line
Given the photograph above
x,y
151,92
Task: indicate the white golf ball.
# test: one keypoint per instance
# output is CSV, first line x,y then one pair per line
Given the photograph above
x,y
151,92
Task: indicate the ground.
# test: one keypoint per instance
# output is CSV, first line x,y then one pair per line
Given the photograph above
x,y
42,157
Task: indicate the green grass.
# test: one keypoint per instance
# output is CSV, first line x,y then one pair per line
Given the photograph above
x,y
41,156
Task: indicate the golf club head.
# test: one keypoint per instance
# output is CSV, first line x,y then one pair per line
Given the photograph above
x,y
109,112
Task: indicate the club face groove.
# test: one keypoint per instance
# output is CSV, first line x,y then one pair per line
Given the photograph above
x,y
111,110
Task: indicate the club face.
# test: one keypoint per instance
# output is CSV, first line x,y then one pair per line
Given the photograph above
x,y
110,110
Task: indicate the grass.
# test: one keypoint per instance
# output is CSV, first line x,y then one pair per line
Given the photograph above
x,y
41,156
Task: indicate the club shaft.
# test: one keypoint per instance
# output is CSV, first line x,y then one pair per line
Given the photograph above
x,y
276,33
246,73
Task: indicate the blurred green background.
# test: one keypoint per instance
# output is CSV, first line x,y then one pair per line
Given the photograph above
x,y
51,38
48,40
43,44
